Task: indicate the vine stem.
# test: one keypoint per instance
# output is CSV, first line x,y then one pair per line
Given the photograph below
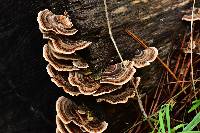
x,y
110,32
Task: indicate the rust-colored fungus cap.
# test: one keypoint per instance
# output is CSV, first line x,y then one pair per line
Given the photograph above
x,y
58,64
60,24
145,57
188,15
62,45
118,74
121,95
61,80
69,112
85,83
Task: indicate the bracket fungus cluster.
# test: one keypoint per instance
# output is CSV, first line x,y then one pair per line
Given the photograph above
x,y
68,71
75,119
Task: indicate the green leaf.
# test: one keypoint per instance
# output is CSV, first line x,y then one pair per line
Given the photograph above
x,y
161,122
178,127
196,101
168,117
190,132
195,121
195,106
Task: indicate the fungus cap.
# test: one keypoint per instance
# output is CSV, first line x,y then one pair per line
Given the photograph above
x,y
188,15
85,83
65,46
58,64
60,79
145,57
118,74
60,24
121,95
69,112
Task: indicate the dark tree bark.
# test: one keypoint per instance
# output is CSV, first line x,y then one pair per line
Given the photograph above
x,y
27,97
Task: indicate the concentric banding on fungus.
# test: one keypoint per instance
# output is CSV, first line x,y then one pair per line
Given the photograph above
x,y
106,88
118,74
60,24
121,95
188,15
61,80
86,84
58,64
66,108
62,45
64,56
80,63
60,126
145,57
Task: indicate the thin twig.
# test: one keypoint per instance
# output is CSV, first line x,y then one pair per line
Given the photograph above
x,y
145,46
191,45
110,32
141,107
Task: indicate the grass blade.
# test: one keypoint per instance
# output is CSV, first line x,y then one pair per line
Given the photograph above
x,y
168,117
194,107
193,123
161,121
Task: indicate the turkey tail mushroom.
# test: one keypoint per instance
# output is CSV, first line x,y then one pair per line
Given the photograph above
x,y
146,56
59,24
121,95
118,74
188,15
69,112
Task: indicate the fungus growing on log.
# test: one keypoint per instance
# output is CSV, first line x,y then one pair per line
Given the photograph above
x,y
67,128
80,63
121,95
188,15
58,64
106,88
145,57
65,46
60,24
69,112
118,74
67,70
86,84
60,79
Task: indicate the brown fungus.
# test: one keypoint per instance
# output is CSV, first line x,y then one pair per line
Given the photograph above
x,y
145,57
60,79
58,64
86,84
69,112
67,128
106,88
60,24
195,47
62,45
121,95
188,15
118,74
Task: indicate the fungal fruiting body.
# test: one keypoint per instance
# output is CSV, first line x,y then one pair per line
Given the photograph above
x,y
69,112
188,15
193,47
69,71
